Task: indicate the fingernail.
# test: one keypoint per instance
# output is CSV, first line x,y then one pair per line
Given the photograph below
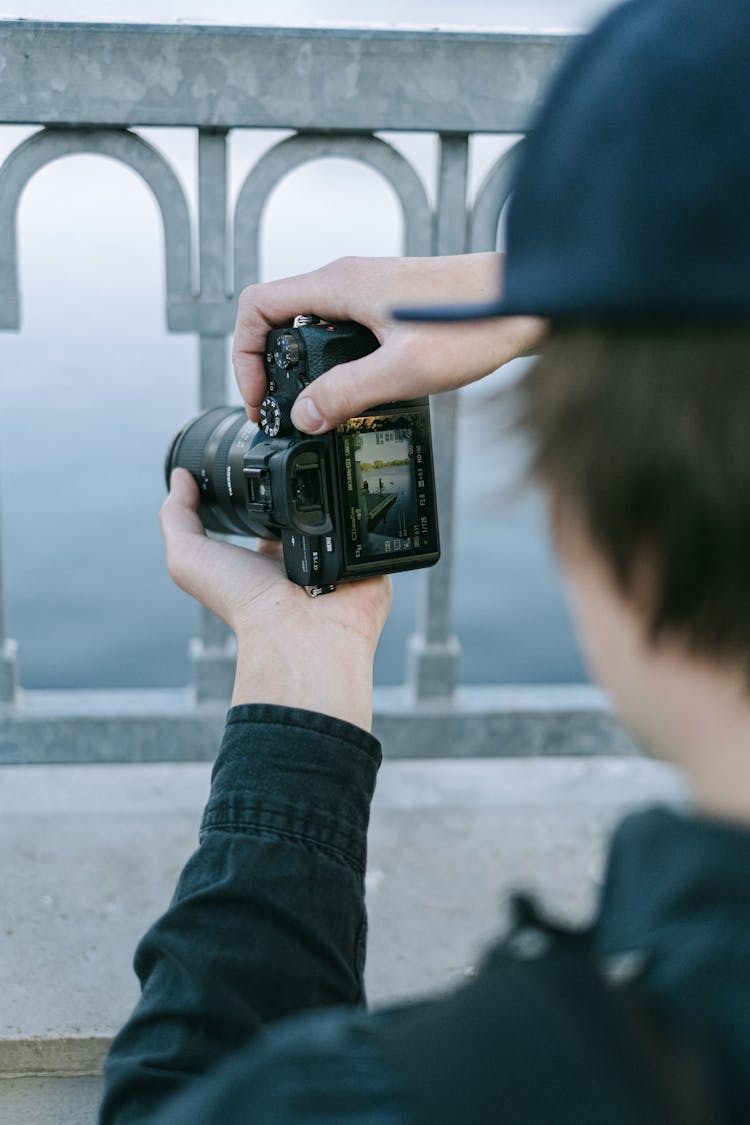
x,y
305,416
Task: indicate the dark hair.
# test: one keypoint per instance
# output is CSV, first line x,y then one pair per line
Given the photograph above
x,y
644,433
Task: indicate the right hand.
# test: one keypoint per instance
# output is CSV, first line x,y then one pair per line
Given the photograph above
x,y
413,360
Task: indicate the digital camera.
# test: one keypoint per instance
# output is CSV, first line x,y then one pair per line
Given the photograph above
x,y
354,502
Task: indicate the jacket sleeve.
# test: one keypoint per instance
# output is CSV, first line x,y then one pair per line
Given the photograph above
x,y
268,917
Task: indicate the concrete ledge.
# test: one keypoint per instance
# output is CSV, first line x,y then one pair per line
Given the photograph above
x,y
560,720
46,1056
90,856
163,725
109,726
50,1101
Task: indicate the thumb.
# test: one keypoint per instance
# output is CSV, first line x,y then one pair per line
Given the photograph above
x,y
351,388
179,512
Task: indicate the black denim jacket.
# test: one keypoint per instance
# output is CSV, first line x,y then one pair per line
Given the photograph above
x,y
252,1006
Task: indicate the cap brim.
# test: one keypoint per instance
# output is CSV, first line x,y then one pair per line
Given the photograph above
x,y
448,313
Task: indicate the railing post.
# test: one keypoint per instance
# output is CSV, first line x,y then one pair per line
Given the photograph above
x,y
213,263
8,652
212,654
434,650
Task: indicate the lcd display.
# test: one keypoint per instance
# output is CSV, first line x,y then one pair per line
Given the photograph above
x,y
387,510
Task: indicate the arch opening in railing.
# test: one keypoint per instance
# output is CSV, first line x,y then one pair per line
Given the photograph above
x,y
89,387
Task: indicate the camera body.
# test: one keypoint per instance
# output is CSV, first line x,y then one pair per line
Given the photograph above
x,y
357,501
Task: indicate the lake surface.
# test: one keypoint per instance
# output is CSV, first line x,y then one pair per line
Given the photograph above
x,y
93,387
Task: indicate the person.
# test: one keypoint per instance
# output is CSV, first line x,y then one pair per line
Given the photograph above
x,y
629,257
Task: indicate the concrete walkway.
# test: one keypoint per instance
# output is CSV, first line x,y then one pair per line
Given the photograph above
x,y
90,855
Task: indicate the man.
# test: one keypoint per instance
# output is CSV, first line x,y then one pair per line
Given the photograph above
x,y
629,235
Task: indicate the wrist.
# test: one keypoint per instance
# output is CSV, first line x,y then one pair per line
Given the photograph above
x,y
332,680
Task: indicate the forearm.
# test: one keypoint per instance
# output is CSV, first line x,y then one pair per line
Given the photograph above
x,y
343,692
268,917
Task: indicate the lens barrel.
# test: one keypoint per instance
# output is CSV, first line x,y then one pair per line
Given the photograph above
x,y
211,447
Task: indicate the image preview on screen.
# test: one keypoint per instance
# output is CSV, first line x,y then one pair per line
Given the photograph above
x,y
383,518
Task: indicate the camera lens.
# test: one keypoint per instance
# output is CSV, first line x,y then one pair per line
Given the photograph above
x,y
212,447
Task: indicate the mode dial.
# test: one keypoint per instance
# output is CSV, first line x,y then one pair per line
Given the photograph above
x,y
286,352
275,416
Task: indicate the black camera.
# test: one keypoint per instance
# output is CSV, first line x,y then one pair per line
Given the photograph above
x,y
351,503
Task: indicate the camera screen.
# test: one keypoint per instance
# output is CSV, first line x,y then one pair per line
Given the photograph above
x,y
385,485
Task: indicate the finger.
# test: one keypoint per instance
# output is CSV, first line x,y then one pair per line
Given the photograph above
x,y
412,362
182,530
250,374
351,388
271,305
179,512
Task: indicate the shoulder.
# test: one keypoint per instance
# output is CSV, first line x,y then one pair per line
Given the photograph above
x,y
540,1032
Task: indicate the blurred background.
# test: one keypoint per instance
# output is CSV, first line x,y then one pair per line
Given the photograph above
x,y
93,387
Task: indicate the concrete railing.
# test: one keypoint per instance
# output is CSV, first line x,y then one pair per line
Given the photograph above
x,y
88,88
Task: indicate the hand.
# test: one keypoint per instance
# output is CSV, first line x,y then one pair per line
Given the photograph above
x,y
413,360
292,649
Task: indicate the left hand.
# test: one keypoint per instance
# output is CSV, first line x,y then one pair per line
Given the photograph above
x,y
298,651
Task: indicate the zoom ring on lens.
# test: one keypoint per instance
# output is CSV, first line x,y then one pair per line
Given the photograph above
x,y
189,447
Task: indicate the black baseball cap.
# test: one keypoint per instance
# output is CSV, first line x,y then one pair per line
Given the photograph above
x,y
632,195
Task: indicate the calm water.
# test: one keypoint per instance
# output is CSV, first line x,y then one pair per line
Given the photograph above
x,y
93,387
